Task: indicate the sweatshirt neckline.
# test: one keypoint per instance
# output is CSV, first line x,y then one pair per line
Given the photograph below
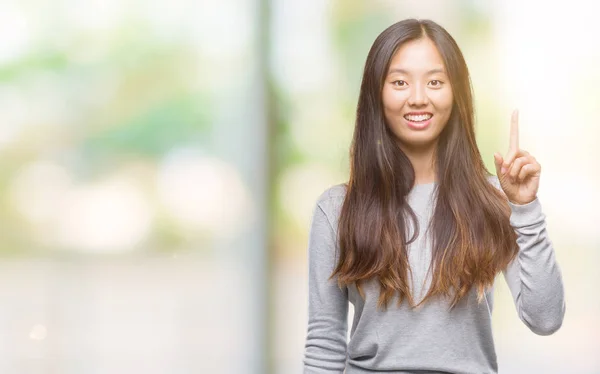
x,y
424,184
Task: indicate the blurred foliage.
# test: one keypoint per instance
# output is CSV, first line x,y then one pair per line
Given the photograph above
x,y
126,97
153,132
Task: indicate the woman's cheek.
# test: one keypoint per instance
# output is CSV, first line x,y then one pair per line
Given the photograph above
x,y
444,98
390,103
398,99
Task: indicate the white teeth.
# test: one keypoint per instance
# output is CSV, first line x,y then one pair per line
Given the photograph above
x,y
421,117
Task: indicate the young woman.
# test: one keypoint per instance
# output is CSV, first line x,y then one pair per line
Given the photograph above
x,y
417,236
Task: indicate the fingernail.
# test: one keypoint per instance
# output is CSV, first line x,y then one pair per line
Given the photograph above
x,y
503,170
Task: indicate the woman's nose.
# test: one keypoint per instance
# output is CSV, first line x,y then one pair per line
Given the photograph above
x,y
418,96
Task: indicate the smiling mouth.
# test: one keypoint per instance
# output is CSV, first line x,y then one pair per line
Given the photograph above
x,y
417,118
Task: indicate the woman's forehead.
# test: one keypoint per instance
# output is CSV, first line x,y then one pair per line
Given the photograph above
x,y
419,56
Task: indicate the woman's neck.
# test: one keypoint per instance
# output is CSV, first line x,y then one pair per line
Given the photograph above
x,y
423,165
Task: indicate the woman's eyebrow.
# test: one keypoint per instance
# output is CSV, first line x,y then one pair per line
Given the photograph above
x,y
402,71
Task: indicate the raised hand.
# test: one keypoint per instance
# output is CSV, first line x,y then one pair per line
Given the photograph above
x,y
518,172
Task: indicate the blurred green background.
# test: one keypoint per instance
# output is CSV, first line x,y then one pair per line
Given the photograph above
x,y
159,162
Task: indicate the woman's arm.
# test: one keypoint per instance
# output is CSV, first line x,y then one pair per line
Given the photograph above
x,y
325,348
534,277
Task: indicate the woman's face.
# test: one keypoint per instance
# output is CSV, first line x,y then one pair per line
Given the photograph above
x,y
417,96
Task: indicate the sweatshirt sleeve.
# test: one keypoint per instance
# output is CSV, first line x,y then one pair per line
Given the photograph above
x,y
325,347
534,277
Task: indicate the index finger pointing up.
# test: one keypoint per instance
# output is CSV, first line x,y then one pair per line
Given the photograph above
x,y
514,130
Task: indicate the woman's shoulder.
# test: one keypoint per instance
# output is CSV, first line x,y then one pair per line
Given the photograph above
x,y
493,179
331,200
333,193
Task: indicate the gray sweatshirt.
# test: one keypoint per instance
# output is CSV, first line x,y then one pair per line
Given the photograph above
x,y
430,339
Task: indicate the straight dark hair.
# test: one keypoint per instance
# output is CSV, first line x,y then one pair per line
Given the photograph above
x,y
472,239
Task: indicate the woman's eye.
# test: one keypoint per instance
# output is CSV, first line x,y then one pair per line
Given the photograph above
x,y
399,83
435,83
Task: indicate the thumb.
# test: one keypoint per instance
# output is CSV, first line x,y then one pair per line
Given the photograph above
x,y
498,160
